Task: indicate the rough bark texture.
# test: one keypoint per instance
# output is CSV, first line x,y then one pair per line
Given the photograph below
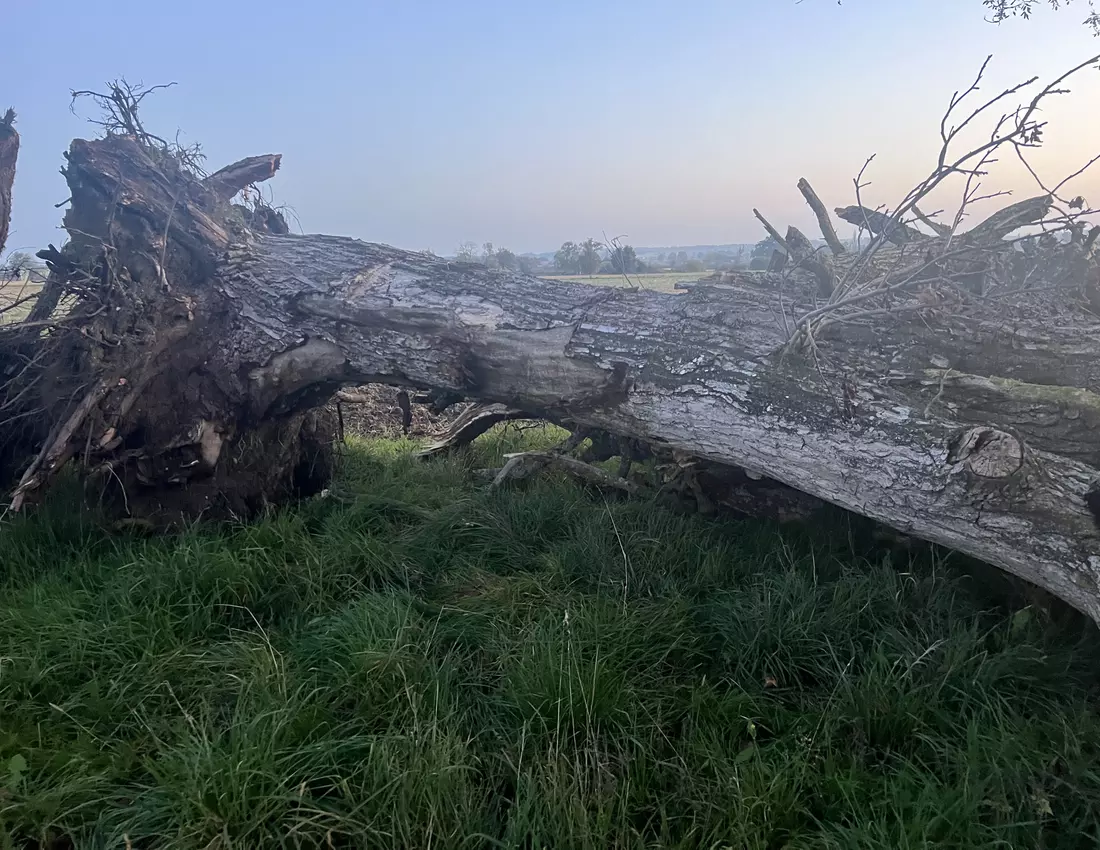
x,y
960,420
878,223
822,215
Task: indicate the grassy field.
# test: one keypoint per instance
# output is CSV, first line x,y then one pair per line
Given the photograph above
x,y
17,298
415,662
663,281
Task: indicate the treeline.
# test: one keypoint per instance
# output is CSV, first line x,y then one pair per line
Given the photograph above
x,y
593,257
21,264
589,257
497,258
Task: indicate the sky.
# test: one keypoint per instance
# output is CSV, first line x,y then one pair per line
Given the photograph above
x,y
426,123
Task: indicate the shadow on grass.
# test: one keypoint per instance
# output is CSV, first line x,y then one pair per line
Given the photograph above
x,y
414,661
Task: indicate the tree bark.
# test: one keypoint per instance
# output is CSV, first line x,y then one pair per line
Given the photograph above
x,y
965,422
822,215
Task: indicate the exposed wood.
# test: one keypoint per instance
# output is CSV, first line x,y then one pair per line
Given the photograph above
x,y
471,424
352,397
1011,218
878,223
240,335
227,182
934,226
406,410
525,464
772,232
823,220
818,263
9,153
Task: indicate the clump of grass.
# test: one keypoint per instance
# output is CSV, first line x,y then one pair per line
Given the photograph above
x,y
414,661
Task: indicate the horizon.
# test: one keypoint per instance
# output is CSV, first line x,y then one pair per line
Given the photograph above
x,y
527,128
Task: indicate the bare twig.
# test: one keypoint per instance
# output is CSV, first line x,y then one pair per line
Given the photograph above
x,y
941,261
120,106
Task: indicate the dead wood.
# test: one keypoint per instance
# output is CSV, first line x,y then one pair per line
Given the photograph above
x,y
240,335
1010,219
525,464
819,264
945,386
772,232
471,424
934,226
227,182
822,214
879,224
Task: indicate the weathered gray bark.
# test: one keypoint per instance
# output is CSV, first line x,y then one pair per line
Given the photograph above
x,y
974,461
970,426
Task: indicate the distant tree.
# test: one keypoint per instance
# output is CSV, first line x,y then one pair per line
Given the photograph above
x,y
487,253
590,258
695,265
1002,10
764,248
18,262
719,259
529,265
624,260
467,253
506,259
567,260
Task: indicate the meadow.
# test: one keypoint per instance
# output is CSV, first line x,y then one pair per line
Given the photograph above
x,y
17,296
412,660
659,281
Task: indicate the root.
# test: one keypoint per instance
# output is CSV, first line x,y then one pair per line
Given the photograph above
x,y
469,426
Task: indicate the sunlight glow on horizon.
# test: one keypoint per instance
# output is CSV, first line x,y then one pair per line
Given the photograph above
x,y
429,126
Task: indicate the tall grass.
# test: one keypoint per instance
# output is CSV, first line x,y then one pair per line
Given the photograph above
x,y
416,662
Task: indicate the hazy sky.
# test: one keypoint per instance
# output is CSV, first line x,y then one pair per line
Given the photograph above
x,y
423,124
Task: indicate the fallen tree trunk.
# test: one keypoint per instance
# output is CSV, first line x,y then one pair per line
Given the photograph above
x,y
192,366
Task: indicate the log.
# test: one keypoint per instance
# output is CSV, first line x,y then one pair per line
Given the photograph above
x,y
822,214
227,182
1010,218
772,232
200,353
471,424
819,264
878,223
934,226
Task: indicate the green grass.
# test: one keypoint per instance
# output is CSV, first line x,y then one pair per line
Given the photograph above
x,y
660,281
416,662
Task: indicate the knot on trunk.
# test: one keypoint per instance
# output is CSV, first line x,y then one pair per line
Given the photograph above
x,y
987,452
